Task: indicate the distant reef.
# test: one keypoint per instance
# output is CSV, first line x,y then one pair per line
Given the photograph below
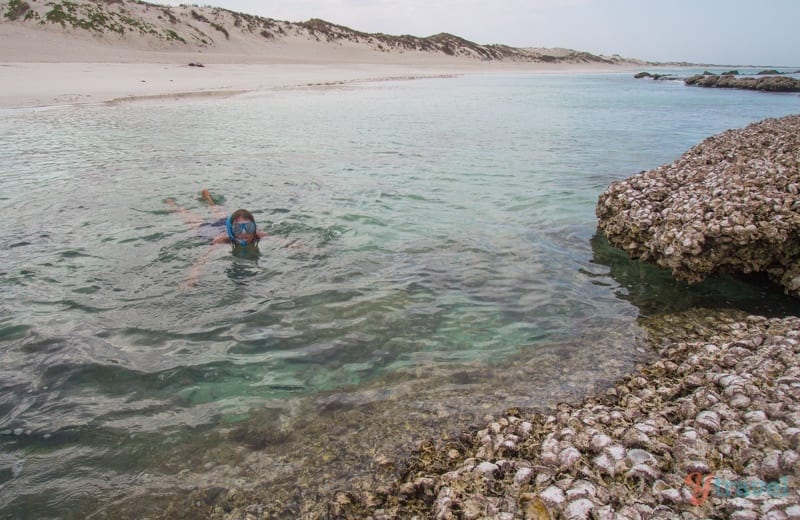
x,y
769,80
768,83
196,28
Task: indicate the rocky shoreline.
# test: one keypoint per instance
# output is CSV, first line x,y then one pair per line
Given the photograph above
x,y
728,205
709,430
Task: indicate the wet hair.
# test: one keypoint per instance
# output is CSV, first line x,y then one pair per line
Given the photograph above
x,y
243,213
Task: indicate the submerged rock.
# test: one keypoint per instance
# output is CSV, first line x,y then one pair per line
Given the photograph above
x,y
730,204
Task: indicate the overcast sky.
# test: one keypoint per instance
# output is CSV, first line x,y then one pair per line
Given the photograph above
x,y
726,32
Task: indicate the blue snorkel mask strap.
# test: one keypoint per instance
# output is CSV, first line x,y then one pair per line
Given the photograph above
x,y
231,236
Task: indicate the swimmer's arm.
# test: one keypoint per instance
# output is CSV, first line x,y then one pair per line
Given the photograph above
x,y
197,268
190,218
222,238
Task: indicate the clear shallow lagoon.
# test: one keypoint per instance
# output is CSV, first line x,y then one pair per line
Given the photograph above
x,y
448,228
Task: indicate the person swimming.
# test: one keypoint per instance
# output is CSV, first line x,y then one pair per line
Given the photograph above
x,y
238,229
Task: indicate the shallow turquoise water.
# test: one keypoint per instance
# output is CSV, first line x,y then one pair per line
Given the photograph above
x,y
442,223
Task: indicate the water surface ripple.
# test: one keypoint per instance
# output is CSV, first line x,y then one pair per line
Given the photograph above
x,y
443,225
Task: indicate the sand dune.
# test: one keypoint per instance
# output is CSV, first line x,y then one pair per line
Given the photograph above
x,y
97,51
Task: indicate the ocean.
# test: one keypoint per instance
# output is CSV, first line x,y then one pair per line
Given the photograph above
x,y
432,260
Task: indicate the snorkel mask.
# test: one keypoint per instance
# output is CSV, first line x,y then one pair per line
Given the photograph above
x,y
240,228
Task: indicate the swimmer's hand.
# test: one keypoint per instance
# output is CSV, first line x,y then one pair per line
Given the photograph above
x,y
194,276
188,284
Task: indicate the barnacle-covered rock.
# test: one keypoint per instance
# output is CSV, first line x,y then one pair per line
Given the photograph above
x,y
616,457
731,204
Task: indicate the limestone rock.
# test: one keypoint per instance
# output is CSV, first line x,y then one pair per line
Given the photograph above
x,y
731,204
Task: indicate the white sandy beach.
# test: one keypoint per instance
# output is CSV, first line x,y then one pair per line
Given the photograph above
x,y
44,67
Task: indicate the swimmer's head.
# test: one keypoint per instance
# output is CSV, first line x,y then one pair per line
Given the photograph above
x,y
241,228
